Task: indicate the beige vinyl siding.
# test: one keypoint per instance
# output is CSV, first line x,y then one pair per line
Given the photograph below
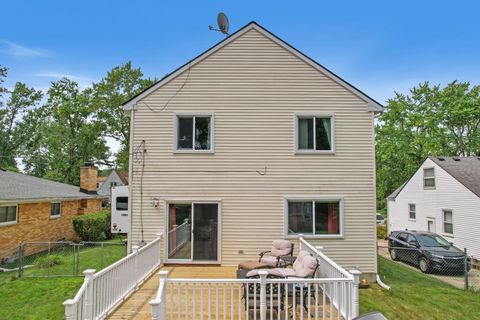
x,y
254,87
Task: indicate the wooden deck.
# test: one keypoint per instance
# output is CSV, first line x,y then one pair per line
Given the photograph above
x,y
137,305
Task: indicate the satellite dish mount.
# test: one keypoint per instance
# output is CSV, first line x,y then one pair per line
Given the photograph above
x,y
222,22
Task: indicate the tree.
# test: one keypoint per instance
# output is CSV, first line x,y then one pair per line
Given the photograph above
x,y
119,85
20,100
430,122
65,134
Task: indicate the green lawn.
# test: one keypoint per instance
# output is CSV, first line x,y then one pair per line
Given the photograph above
x,y
42,298
417,296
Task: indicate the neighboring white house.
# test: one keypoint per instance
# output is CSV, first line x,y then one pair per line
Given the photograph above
x,y
114,179
443,196
249,142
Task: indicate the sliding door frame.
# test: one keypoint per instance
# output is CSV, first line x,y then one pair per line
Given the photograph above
x,y
218,202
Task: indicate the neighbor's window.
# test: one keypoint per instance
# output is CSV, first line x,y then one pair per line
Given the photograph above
x,y
122,203
113,184
8,214
55,209
314,133
428,178
448,221
412,214
194,133
314,217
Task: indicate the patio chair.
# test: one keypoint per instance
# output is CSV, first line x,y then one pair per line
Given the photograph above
x,y
273,257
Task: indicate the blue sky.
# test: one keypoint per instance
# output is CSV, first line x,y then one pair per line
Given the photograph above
x,y
379,46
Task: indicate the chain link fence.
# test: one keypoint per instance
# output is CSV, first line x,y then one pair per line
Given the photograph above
x,y
59,259
454,267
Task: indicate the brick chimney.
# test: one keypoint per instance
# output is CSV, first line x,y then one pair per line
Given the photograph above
x,y
88,178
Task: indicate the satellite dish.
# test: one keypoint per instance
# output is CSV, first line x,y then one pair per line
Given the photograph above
x,y
222,22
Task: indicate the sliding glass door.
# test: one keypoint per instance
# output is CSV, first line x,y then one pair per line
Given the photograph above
x,y
193,231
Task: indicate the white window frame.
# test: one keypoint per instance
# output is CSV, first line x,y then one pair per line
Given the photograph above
x,y
341,203
314,115
9,223
57,215
425,178
443,223
177,116
410,211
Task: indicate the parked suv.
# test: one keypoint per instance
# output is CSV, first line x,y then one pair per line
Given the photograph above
x,y
426,250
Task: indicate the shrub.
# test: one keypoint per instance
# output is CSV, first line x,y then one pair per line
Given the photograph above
x,y
381,231
48,261
93,226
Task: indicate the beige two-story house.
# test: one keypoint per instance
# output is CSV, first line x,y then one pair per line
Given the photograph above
x,y
249,142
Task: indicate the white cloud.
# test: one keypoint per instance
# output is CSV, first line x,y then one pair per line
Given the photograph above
x,y
20,52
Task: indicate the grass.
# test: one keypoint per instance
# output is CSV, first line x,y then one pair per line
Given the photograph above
x,y
42,298
414,295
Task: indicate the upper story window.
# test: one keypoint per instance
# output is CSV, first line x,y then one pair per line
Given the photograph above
x,y
314,217
315,134
412,213
8,214
429,178
194,133
55,209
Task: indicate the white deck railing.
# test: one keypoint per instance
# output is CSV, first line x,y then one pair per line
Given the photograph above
x,y
331,294
101,292
178,237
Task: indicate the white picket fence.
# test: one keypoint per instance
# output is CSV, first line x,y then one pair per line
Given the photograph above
x,y
101,292
331,294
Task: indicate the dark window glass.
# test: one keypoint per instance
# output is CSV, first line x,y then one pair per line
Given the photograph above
x,y
323,132
300,217
305,133
327,218
55,209
185,133
122,203
202,133
8,214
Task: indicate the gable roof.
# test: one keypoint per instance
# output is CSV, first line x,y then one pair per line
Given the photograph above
x,y
465,170
122,175
20,187
373,106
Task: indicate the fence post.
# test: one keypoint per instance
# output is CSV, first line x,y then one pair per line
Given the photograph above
x,y
88,312
354,298
465,269
159,304
135,265
263,294
20,259
69,309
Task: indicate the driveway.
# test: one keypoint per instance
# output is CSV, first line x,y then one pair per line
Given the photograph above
x,y
456,281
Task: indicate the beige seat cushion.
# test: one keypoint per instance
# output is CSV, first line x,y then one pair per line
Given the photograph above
x,y
281,248
252,264
269,260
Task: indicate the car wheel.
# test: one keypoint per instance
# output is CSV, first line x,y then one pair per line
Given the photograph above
x,y
423,264
394,254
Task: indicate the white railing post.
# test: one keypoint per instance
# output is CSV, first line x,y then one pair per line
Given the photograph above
x,y
88,311
355,299
159,304
135,265
263,294
69,309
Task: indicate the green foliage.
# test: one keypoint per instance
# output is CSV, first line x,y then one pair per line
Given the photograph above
x,y
381,231
431,121
48,261
93,226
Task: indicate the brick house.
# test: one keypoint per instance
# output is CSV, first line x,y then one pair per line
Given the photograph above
x,y
35,209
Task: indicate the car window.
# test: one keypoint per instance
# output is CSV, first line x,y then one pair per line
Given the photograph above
x,y
432,241
402,237
411,238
